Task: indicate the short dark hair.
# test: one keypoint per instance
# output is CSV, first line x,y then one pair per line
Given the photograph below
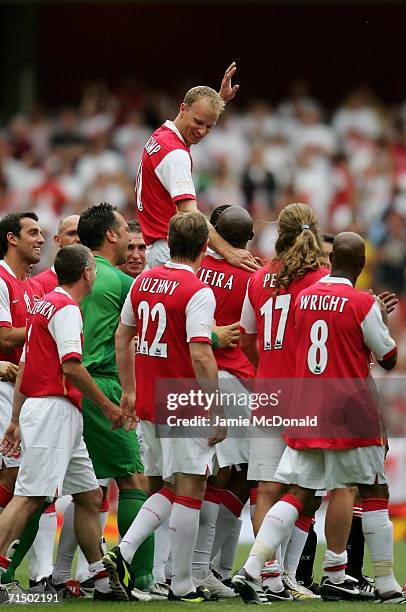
x,y
70,262
134,226
12,223
94,223
217,212
187,234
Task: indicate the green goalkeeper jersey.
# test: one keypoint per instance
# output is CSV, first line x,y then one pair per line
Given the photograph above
x,y
101,314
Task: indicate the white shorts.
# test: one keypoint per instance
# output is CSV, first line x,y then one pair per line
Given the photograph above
x,y
157,254
328,469
6,409
234,450
54,456
167,456
265,453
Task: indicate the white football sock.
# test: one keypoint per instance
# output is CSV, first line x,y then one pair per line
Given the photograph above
x,y
334,565
98,573
154,511
226,520
294,550
183,528
41,553
277,525
82,566
66,547
271,576
228,550
378,534
161,551
205,538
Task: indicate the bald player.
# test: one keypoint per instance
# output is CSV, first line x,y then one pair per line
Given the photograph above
x,y
229,285
67,234
337,328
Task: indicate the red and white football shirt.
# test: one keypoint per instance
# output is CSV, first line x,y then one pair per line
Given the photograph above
x,y
170,307
229,285
54,335
271,317
16,297
337,328
164,177
44,282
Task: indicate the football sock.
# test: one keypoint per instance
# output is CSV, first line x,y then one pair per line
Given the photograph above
x,y
378,533
161,551
253,501
276,526
41,553
271,576
183,528
66,547
296,544
304,572
228,550
334,565
205,536
82,566
26,539
356,545
130,503
100,576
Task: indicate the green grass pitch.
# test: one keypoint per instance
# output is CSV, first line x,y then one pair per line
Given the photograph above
x,y
237,604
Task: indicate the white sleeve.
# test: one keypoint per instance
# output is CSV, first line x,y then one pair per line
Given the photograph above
x,y
127,313
199,315
175,173
376,334
5,314
65,328
248,321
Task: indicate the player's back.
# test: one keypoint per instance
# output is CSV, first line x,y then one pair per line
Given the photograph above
x,y
101,313
331,320
229,285
273,311
43,375
164,300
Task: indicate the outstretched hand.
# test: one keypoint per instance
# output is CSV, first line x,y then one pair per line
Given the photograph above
x,y
227,90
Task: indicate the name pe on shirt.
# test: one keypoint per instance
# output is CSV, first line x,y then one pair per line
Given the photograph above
x,y
216,279
323,302
157,285
269,279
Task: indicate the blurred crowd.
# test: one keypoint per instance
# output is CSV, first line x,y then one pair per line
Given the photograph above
x,y
349,163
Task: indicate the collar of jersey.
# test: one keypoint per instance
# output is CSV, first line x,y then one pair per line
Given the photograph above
x,y
170,124
179,266
213,254
60,290
335,280
7,267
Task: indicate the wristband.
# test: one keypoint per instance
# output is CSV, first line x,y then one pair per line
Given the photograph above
x,y
214,340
